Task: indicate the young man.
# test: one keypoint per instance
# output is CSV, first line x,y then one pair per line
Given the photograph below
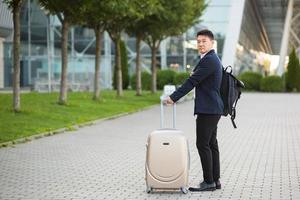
x,y
206,78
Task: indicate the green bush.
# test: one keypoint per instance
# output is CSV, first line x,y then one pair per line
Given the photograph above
x,y
251,80
165,77
272,84
292,76
181,77
124,68
146,81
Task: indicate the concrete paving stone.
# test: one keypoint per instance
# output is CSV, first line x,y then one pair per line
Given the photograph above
x,y
259,159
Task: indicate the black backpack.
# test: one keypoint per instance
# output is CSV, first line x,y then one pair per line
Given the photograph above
x,y
230,92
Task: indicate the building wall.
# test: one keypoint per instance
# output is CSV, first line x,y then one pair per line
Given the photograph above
x,y
252,23
6,23
233,32
6,26
1,64
253,48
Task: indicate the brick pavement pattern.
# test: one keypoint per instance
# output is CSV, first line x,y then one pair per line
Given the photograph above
x,y
259,160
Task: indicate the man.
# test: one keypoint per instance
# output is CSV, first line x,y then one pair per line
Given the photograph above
x,y
206,78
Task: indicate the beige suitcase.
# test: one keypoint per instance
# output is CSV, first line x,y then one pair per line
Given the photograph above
x,y
167,159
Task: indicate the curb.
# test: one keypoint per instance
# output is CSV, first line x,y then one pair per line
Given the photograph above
x,y
71,128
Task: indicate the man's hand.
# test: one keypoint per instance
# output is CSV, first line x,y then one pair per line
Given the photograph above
x,y
168,100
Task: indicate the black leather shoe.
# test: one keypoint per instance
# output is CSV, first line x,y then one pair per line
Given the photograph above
x,y
218,184
204,187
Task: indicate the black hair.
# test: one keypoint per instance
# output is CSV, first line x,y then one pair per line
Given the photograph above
x,y
207,33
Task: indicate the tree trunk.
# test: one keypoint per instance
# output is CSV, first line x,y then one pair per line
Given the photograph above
x,y
138,67
64,67
153,69
98,33
118,65
16,61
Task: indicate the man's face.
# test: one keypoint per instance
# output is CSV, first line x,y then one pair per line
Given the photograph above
x,y
204,44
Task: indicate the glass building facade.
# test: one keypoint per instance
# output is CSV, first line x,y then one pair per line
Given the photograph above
x,y
253,51
238,25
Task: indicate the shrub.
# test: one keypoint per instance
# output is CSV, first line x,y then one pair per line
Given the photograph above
x,y
292,77
165,77
181,77
272,84
251,80
146,81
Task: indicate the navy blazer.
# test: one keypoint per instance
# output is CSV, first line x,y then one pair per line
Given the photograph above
x,y
206,77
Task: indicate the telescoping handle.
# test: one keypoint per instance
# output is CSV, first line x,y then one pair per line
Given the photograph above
x,y
162,98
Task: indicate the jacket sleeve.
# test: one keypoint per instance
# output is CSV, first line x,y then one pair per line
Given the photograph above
x,y
205,69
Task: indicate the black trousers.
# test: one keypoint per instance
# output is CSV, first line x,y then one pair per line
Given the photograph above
x,y
207,145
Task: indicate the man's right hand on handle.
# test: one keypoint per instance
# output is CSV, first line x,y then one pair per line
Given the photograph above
x,y
168,100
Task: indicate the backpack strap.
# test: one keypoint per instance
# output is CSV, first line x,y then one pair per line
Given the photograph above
x,y
233,123
234,111
232,117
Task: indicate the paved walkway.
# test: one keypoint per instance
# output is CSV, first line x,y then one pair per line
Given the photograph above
x,y
259,160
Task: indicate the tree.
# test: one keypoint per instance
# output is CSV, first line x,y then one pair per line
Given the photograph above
x,y
93,15
124,64
121,13
293,73
173,18
137,30
68,12
124,67
15,6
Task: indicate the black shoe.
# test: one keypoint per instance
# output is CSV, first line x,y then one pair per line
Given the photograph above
x,y
204,187
218,184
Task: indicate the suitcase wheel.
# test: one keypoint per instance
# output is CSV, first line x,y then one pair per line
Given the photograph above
x,y
184,190
148,189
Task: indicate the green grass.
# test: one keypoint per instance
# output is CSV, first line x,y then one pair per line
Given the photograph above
x,y
41,113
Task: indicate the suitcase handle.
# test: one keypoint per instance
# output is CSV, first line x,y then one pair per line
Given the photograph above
x,y
162,98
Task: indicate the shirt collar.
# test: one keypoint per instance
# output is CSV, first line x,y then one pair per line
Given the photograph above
x,y
202,55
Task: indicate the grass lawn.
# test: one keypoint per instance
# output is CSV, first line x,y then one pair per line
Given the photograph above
x,y
40,112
